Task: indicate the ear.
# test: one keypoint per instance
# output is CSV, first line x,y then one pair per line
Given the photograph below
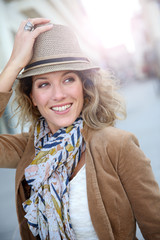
x,y
33,100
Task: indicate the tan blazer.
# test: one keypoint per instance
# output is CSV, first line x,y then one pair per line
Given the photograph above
x,y
121,188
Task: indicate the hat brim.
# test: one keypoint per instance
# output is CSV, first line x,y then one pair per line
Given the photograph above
x,y
74,66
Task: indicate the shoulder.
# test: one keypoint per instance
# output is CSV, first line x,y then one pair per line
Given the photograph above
x,y
112,143
109,135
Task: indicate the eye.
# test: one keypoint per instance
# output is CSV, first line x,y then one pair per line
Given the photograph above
x,y
69,79
42,85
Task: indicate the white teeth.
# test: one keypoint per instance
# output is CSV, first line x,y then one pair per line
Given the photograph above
x,y
60,109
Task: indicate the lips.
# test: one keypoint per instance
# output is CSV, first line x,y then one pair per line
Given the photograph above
x,y
61,108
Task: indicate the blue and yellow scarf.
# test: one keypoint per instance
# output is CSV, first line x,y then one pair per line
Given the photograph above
x,y
57,155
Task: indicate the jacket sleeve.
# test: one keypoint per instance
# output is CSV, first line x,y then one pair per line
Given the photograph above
x,y
11,149
141,188
4,98
11,146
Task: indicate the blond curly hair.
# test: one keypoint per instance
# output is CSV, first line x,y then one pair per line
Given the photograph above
x,y
103,105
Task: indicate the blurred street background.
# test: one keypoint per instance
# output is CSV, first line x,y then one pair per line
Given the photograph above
x,y
122,36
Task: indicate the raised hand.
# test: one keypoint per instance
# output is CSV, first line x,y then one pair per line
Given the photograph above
x,y
22,50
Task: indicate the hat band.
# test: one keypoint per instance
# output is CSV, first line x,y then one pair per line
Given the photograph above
x,y
55,60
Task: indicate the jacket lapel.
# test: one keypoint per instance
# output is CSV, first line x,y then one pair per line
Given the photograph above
x,y
97,209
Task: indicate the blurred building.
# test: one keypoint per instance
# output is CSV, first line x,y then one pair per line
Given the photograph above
x,y
144,62
146,34
121,62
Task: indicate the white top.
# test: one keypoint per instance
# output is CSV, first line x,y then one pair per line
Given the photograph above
x,y
79,212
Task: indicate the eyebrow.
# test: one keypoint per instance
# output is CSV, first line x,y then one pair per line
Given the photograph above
x,y
44,78
39,78
65,73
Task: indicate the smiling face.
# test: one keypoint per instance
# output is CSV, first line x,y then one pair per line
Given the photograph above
x,y
58,97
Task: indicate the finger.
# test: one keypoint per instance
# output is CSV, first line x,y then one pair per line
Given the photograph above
x,y
36,21
42,29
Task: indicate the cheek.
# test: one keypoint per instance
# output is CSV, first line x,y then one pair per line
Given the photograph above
x,y
80,96
81,92
38,99
33,99
37,96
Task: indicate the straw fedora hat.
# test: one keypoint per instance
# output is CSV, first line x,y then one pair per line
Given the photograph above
x,y
56,50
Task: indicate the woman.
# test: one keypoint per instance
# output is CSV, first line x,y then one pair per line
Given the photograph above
x,y
78,177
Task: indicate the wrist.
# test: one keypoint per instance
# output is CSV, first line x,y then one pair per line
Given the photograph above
x,y
13,66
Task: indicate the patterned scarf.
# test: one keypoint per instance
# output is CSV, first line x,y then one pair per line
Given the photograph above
x,y
57,155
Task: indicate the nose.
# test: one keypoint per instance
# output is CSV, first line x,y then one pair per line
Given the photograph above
x,y
58,93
